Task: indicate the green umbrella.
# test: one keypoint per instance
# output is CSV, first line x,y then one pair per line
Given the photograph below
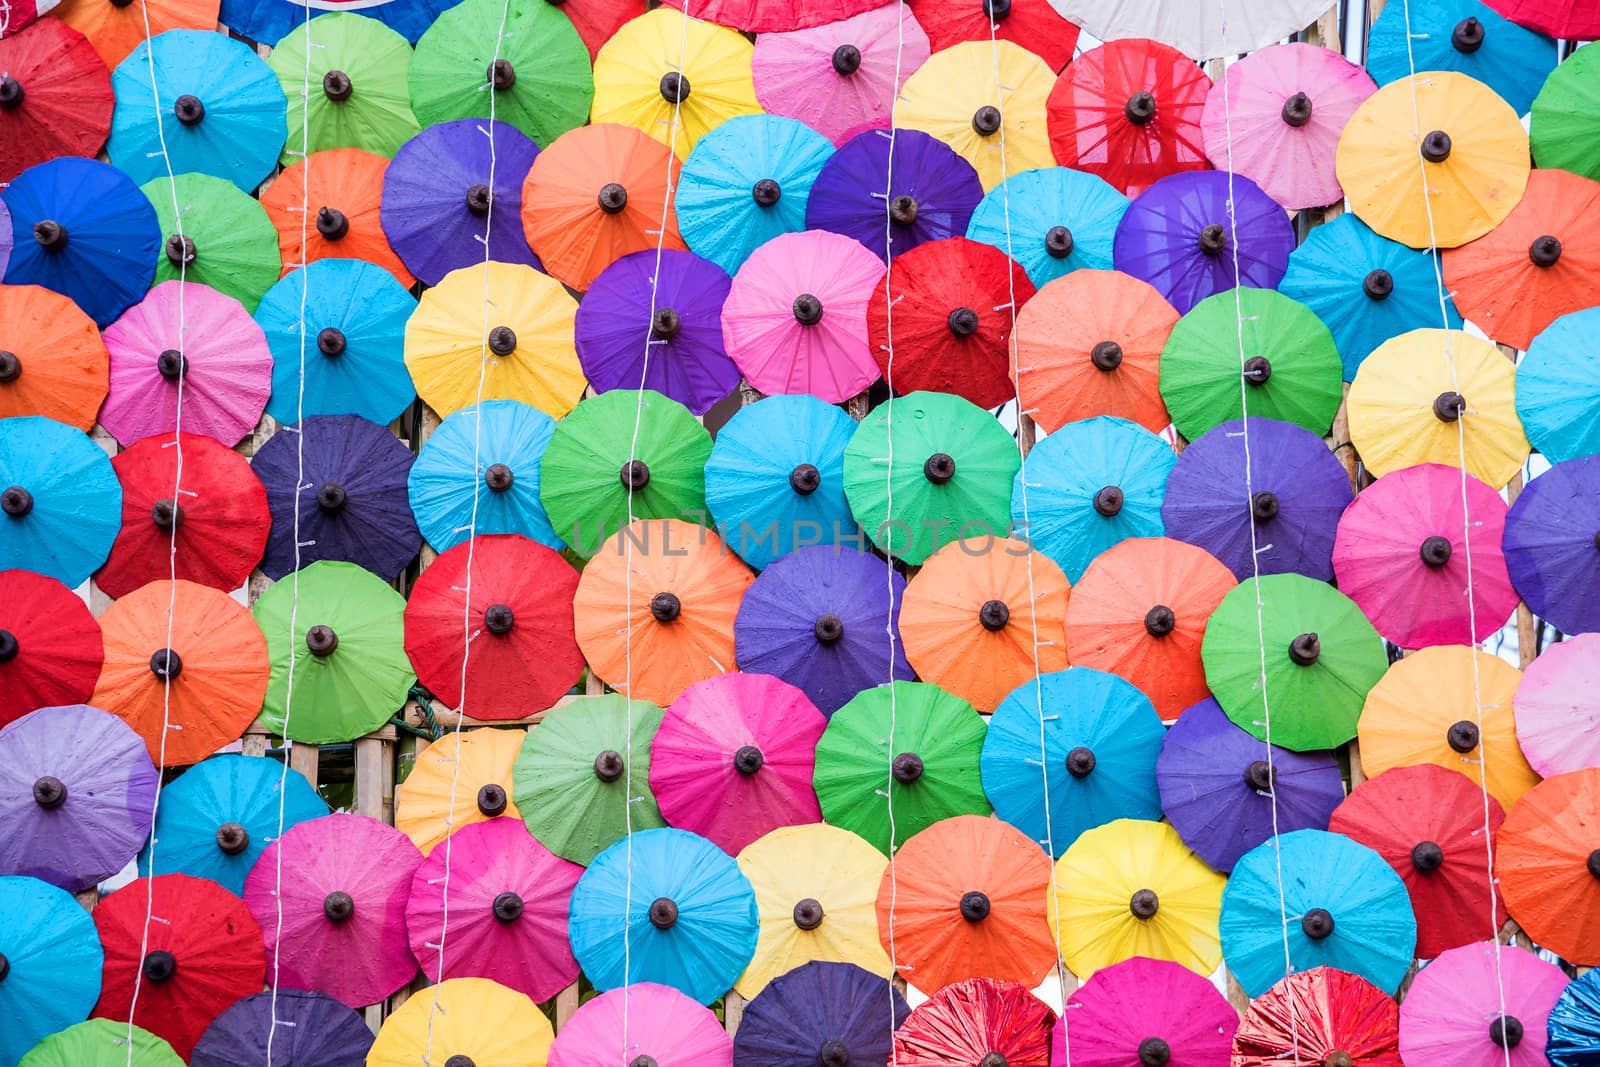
x,y
927,762
351,673
228,241
541,76
953,464
1321,655
358,96
101,1043
1291,365
577,770
1564,127
591,462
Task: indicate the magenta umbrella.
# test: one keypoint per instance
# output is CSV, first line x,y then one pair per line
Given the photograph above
x,y
1144,1011
1558,707
225,366
642,1022
733,759
1453,1011
330,895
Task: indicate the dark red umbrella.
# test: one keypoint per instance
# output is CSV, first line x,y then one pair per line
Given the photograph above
x,y
1313,1016
50,647
1033,24
982,1021
55,97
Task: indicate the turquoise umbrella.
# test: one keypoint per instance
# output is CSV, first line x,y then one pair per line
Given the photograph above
x,y
1558,388
50,961
60,501
1053,221
1464,36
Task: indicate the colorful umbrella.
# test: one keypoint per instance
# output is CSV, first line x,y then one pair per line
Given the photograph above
x,y
1561,121
1555,707
52,966
1479,1005
1574,1025
57,97
1549,543
77,794
508,670
1466,36
1052,221
1144,1011
1321,1015
467,1019
583,777
656,1023
757,16
306,1024
50,646
1033,24
226,239
1544,865
976,1021
1556,390
116,31
1226,29
328,206
830,1011
338,631
597,20
460,780
1558,18
362,67
54,363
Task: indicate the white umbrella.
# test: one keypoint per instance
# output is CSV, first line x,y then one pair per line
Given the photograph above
x,y
1201,29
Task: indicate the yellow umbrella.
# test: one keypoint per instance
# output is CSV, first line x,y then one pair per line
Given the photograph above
x,y
975,97
478,763
816,895
522,341
1133,888
662,62
1424,710
1473,169
478,1020
1424,396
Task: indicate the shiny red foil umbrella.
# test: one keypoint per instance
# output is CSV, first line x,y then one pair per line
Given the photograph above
x,y
953,309
50,646
55,97
199,952
1313,1016
1033,24
982,1022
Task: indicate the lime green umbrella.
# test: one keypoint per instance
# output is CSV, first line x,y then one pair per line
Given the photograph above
x,y
1321,656
593,460
348,637
950,476
358,95
1292,370
577,771
228,241
542,82
1564,127
101,1043
927,761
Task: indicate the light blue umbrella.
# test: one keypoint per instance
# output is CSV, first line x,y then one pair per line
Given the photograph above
x,y
52,964
354,347
1100,738
1090,485
443,485
746,182
1558,388
687,913
1060,220
214,107
60,501
1509,59
775,479
1574,1025
1338,904
222,813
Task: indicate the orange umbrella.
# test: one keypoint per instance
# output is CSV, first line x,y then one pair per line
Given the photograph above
x,y
52,361
969,898
1140,611
1089,343
215,659
657,602
117,29
333,197
966,620
1547,859
596,194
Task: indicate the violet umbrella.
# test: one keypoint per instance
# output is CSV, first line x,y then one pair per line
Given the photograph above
x,y
1558,707
833,1014
1552,534
303,1029
1480,1005
642,1024
352,503
1145,1012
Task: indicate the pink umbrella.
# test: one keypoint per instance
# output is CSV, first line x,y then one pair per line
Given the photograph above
x,y
733,759
1284,109
508,910
1558,707
334,912
1401,553
642,1021
839,78
1452,1013
1145,1011
795,320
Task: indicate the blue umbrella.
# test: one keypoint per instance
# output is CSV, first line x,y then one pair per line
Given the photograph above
x,y
1558,388
775,479
353,357
825,1013
215,108
311,1030
1060,220
269,20
85,230
1091,484
50,962
1345,908
222,813
1509,59
60,501
1365,288
1552,531
1100,738
510,441
1573,1025
746,182
686,911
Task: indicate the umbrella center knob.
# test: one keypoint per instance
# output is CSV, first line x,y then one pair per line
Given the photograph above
x,y
460,1061
1467,37
939,468
498,619
498,477
1462,736
997,9
663,913
994,615
1427,856
332,224
480,198
674,87
1264,506
1593,863
807,309
1258,370
766,192
1339,1058
5,967
502,75
49,792
986,120
1106,356
993,1059
1159,621
635,474
166,664
828,628
963,322
1436,147
172,364
10,367
1436,551
1317,924
8,646
748,760
166,514
1305,649
189,109
331,342
322,641
1506,1031
11,93
502,340
51,235
608,766
1140,108
1154,1052
507,907
846,60
16,502
492,800
338,906
336,86
332,497
903,210
180,250
159,965
665,607
613,198
805,479
1058,242
665,324
1378,284
975,906
808,914
907,768
643,1061
1144,904
1545,251
1259,776
833,1054
1213,239
1108,501
1297,110
1080,762
232,838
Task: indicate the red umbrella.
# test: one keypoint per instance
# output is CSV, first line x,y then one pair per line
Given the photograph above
x,y
597,20
1033,24
1130,112
1576,20
199,951
1313,1016
982,1022
773,16
50,647
55,97
952,313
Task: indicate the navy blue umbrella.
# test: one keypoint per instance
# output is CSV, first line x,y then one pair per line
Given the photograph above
x,y
825,1013
312,1030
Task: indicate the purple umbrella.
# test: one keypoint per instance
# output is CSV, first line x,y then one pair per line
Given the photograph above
x,y
353,506
817,618
933,195
5,237
1298,491
827,1013
1218,791
1177,236
313,1030
437,202
1551,542
76,793
676,313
